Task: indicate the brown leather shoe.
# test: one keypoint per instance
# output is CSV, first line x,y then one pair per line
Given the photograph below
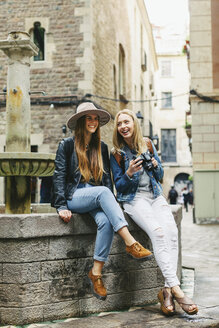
x,y
137,251
97,284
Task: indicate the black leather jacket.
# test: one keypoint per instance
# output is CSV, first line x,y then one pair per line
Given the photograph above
x,y
67,175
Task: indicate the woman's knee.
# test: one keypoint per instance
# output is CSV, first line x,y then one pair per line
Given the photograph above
x,y
105,191
174,233
103,223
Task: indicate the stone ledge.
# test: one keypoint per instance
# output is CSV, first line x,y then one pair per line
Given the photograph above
x,y
49,224
44,264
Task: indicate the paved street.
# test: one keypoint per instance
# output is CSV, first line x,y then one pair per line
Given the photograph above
x,y
200,252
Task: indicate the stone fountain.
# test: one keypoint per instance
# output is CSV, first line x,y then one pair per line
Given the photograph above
x,y
18,164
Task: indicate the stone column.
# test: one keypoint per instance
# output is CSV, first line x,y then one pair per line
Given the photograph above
x,y
19,48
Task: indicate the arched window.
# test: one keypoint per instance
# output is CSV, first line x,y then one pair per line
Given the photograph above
x,y
121,70
38,37
114,82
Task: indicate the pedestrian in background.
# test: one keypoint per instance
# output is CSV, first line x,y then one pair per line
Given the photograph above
x,y
186,198
137,172
82,184
173,195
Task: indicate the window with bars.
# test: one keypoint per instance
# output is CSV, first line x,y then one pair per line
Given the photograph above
x,y
168,145
166,69
38,37
166,101
121,70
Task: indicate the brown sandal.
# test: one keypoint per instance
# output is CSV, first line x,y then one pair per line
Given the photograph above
x,y
166,300
185,302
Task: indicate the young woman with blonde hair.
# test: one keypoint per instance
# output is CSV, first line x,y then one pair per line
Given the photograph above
x,y
137,174
82,184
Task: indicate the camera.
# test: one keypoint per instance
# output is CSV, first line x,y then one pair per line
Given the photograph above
x,y
146,158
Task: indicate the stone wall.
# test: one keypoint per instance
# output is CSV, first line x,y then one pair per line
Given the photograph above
x,y
44,264
205,112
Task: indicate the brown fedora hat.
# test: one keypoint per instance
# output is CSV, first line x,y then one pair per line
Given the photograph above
x,y
87,108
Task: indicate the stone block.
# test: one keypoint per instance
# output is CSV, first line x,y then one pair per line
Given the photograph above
x,y
198,56
198,147
144,296
205,108
200,39
125,263
211,157
117,282
143,279
199,70
216,109
18,251
211,119
203,129
197,157
211,137
113,302
197,8
55,311
198,23
20,316
203,85
52,270
21,273
203,166
71,247
17,295
197,119
160,277
197,137
217,147
1,272
68,288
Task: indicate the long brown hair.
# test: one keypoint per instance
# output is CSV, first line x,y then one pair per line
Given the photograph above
x,y
89,160
138,141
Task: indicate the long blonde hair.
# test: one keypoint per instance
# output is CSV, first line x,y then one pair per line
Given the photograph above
x,y
90,161
138,141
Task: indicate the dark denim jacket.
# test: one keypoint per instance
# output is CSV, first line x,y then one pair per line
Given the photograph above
x,y
67,175
126,187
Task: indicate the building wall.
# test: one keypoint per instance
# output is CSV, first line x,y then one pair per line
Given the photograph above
x,y
174,118
205,114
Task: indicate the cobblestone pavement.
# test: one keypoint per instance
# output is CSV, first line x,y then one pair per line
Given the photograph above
x,y
200,249
200,275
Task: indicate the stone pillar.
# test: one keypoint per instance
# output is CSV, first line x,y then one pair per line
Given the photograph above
x,y
19,48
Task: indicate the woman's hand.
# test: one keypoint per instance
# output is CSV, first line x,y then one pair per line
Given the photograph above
x,y
65,215
154,162
134,166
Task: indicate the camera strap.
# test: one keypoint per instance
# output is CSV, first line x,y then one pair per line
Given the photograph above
x,y
119,157
149,145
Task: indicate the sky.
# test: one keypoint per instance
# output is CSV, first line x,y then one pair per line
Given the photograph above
x,y
170,13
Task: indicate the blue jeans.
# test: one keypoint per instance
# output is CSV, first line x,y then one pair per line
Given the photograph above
x,y
101,204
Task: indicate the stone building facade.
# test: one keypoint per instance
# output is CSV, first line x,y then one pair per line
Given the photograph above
x,y
204,68
172,85
89,47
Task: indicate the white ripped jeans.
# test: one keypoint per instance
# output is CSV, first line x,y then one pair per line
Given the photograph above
x,y
154,216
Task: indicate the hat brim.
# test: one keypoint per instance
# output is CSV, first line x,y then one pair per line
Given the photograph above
x,y
104,117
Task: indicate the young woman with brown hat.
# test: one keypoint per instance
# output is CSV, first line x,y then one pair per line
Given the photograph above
x,y
82,184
